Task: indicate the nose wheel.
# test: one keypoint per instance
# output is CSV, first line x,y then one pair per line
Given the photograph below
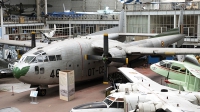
x,y
41,92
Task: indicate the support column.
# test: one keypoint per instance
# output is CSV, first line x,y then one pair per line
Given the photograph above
x,y
149,25
70,30
198,28
175,23
2,28
38,8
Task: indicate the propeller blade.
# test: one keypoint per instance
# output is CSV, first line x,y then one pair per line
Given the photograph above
x,y
105,77
105,45
120,60
93,57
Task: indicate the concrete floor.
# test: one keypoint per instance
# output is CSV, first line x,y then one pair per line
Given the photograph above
x,y
85,93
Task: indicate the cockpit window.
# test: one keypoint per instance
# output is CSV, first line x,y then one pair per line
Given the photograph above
x,y
39,58
22,58
52,58
162,63
107,101
114,103
40,52
34,60
29,59
45,58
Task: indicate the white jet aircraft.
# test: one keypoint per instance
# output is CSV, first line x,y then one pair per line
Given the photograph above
x,y
143,95
49,33
106,11
40,66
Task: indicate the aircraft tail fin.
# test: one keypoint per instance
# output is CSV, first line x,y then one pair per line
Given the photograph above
x,y
51,33
178,30
118,29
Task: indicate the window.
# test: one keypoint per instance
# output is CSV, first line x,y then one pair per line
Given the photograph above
x,y
175,68
58,57
28,59
41,70
117,105
52,58
40,52
45,58
36,70
183,70
34,60
39,58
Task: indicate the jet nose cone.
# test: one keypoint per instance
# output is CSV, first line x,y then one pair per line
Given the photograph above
x,y
20,70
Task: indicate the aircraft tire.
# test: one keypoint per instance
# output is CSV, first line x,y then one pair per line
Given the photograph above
x,y
160,110
43,92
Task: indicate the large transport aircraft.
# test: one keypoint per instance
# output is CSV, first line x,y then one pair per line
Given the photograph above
x,y
40,66
143,95
180,75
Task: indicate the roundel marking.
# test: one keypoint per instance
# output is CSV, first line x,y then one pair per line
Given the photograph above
x,y
162,43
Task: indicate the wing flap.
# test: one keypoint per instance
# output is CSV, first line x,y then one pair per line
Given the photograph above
x,y
160,51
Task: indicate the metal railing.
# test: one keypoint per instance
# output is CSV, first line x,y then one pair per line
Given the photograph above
x,y
163,6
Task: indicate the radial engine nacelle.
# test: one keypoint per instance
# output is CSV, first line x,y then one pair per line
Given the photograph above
x,y
117,52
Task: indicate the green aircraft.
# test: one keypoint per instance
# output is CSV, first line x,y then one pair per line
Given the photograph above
x,y
180,75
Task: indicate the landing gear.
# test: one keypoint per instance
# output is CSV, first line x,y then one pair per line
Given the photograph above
x,y
41,92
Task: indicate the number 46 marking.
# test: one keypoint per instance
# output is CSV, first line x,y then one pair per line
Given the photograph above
x,y
53,75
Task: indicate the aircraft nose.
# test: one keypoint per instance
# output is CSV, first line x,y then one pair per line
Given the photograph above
x,y
20,69
152,67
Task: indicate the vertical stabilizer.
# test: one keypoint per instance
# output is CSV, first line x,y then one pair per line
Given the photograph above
x,y
174,31
51,34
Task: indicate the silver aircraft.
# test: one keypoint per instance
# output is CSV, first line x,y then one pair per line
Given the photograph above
x,y
106,11
143,95
41,65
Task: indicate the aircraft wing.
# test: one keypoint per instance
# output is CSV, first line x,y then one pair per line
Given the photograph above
x,y
138,34
21,43
171,100
135,77
98,44
195,70
160,51
87,13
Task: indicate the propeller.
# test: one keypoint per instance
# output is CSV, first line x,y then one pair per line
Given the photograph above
x,y
106,58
